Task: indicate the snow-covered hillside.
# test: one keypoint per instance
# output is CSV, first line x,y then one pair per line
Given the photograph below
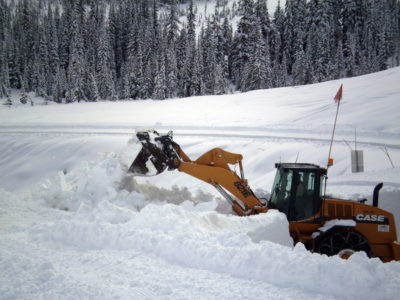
x,y
75,225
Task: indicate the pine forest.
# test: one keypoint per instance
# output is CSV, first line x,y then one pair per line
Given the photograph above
x,y
87,50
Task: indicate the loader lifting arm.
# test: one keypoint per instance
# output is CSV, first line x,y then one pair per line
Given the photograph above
x,y
160,152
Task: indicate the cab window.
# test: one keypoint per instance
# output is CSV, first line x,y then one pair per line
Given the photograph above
x,y
281,191
296,194
305,192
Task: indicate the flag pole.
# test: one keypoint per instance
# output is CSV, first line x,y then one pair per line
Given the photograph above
x,y
337,99
333,135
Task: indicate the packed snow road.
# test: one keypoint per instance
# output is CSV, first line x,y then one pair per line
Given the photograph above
x,y
266,134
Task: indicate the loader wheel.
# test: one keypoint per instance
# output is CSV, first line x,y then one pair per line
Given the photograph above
x,y
344,244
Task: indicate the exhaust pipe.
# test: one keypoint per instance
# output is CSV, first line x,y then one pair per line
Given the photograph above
x,y
376,194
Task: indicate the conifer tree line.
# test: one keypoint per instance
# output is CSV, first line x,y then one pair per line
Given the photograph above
x,y
88,50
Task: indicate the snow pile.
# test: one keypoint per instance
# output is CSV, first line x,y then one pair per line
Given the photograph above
x,y
90,186
219,243
107,180
102,191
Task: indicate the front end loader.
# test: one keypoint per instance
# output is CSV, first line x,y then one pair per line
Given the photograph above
x,y
323,224
160,152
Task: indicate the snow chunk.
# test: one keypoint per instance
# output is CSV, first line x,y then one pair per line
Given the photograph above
x,y
273,226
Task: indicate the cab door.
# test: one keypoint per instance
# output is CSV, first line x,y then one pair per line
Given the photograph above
x,y
306,195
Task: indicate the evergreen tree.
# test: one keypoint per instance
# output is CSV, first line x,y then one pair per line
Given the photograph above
x,y
257,73
223,43
160,88
209,57
4,74
5,43
189,85
171,73
180,50
115,32
243,43
59,87
339,62
221,85
197,75
301,73
92,89
321,37
294,31
350,54
52,51
76,71
389,34
26,38
226,36
24,97
43,65
104,80
147,86
172,25
278,59
4,19
124,87
262,14
14,69
65,34
352,29
92,26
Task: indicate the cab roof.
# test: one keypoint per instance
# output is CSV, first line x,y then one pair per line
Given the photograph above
x,y
301,167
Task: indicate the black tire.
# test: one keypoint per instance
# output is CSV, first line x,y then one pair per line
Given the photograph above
x,y
343,242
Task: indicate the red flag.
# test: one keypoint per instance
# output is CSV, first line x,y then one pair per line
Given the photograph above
x,y
339,93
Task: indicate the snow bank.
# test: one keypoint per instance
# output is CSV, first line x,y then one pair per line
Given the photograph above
x,y
225,244
106,180
103,191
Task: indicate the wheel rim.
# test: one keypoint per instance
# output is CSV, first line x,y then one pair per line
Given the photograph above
x,y
344,243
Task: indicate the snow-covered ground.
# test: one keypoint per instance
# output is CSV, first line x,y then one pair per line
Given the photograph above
x,y
73,224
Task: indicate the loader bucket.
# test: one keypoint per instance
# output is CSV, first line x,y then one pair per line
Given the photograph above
x,y
151,160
